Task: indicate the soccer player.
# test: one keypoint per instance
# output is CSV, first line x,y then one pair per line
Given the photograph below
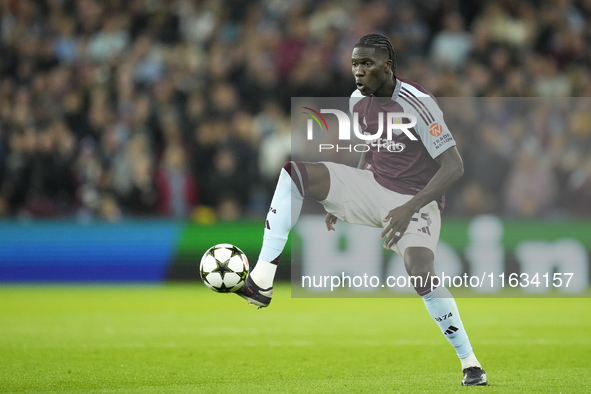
x,y
403,192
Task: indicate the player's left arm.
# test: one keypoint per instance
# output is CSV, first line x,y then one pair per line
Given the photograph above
x,y
452,169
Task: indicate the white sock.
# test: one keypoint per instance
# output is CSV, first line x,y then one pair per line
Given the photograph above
x,y
443,309
284,212
263,274
470,361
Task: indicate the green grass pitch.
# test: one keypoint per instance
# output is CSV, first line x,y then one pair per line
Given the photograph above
x,y
188,339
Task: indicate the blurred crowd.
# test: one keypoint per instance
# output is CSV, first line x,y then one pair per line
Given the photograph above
x,y
180,108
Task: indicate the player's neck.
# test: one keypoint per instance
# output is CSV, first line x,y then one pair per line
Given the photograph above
x,y
385,92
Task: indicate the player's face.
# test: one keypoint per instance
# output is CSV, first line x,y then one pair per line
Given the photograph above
x,y
370,68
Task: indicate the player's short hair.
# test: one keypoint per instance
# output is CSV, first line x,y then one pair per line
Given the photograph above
x,y
379,42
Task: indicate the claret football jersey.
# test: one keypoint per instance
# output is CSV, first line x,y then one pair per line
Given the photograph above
x,y
402,164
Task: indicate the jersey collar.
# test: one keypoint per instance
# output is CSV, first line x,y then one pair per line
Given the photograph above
x,y
396,89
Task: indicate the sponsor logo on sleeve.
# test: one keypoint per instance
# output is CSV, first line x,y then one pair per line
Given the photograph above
x,y
442,140
435,129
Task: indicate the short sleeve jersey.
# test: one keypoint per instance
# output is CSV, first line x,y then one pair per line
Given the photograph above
x,y
406,170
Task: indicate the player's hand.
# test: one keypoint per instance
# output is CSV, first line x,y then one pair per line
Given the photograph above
x,y
399,219
330,220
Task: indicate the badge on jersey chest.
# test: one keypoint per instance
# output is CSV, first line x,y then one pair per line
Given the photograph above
x,y
396,130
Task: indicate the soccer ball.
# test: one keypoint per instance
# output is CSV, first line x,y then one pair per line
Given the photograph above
x,y
224,268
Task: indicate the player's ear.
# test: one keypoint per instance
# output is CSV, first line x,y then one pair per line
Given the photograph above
x,y
388,65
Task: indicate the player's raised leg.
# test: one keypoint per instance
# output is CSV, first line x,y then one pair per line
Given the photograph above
x,y
296,181
443,309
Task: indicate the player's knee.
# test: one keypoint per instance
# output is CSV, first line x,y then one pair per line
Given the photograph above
x,y
422,271
312,179
318,180
419,262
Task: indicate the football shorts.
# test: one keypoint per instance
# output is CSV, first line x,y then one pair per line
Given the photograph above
x,y
355,197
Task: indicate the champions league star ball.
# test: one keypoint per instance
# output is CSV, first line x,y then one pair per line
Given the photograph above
x,y
224,268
